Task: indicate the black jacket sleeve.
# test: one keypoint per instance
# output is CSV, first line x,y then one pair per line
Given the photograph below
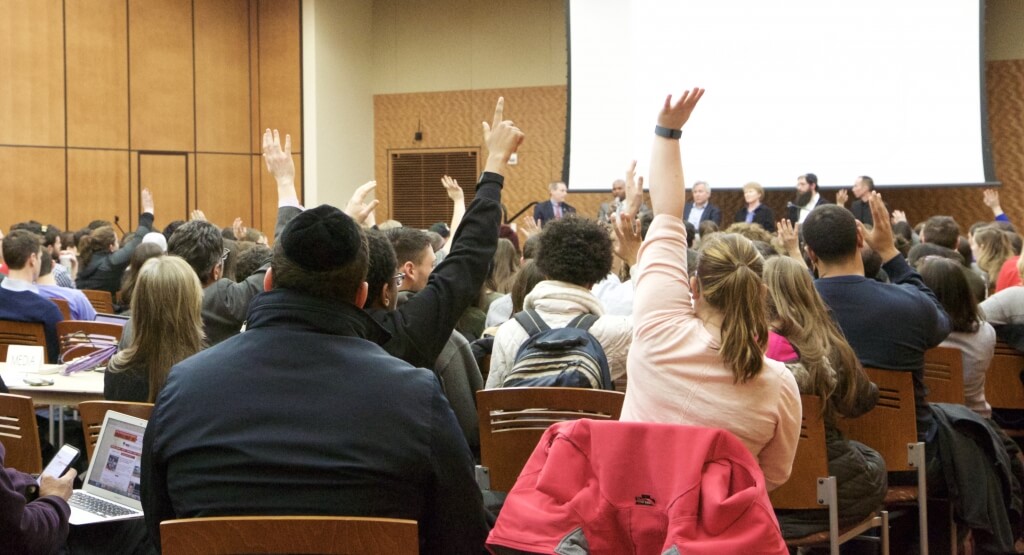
x,y
421,326
123,256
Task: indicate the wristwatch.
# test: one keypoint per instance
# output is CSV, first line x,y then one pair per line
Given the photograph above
x,y
667,133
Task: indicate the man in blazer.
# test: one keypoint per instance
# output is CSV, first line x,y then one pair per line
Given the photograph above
x,y
608,210
556,208
699,209
807,198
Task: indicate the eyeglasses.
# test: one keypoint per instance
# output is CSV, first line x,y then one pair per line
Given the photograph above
x,y
399,278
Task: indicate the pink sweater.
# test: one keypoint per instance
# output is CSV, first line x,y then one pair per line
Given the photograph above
x,y
677,376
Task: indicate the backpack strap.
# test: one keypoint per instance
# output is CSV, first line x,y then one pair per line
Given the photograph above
x,y
583,321
531,322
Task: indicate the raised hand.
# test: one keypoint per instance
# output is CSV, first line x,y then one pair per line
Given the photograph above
x,y
627,231
147,202
197,215
634,190
674,116
279,160
842,196
789,236
880,238
899,216
531,227
357,208
502,138
237,229
991,199
451,186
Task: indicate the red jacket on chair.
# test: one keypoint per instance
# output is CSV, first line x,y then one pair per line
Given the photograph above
x,y
609,487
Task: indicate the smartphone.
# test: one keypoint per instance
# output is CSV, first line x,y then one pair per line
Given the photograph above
x,y
62,461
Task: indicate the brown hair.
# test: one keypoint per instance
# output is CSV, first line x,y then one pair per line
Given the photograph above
x,y
729,276
142,253
796,308
98,240
946,279
503,267
167,323
994,248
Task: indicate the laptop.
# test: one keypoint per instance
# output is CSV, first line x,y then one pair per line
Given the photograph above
x,y
111,318
111,488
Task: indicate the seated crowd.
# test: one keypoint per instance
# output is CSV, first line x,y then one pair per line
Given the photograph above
x,y
335,372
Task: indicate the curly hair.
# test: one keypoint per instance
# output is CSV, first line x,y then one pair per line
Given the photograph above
x,y
382,264
575,250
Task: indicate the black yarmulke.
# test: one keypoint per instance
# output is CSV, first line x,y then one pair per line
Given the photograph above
x,y
321,239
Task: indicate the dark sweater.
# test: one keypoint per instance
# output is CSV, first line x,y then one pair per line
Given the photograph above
x,y
103,273
26,306
36,527
890,325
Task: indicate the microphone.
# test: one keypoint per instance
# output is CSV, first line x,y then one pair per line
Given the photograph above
x,y
117,222
791,205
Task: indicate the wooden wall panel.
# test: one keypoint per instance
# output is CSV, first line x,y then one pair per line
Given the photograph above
x,y
222,76
267,218
165,175
32,70
280,73
36,185
223,187
98,187
97,73
160,56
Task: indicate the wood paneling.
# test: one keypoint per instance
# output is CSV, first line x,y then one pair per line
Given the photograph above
x,y
268,195
222,187
97,73
32,71
98,187
34,185
165,175
160,56
222,76
280,78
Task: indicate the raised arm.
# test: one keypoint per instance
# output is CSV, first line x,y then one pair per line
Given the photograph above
x,y
458,198
282,167
991,199
667,191
123,256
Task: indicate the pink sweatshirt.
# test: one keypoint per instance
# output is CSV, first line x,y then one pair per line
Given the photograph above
x,y
677,376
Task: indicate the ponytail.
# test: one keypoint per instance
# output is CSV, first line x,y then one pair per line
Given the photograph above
x,y
729,271
98,240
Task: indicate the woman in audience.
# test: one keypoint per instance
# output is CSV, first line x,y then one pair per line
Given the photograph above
x,y
991,248
824,365
697,354
142,253
974,337
167,327
102,260
754,212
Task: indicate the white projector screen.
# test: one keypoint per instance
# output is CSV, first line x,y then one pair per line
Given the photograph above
x,y
893,90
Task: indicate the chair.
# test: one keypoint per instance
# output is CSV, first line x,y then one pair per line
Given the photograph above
x,y
19,434
102,301
92,413
1004,388
513,419
22,333
82,335
63,306
810,487
891,429
944,375
289,534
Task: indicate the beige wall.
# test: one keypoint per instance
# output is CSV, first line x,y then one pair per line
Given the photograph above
x,y
1004,30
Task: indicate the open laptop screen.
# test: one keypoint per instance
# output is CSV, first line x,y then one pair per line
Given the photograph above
x,y
111,319
117,460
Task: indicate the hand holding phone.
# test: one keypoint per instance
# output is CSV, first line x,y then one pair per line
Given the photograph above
x,y
60,462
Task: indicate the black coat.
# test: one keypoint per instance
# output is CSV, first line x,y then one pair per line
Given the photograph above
x,y
103,273
762,216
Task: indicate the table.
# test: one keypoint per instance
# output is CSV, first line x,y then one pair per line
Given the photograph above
x,y
66,390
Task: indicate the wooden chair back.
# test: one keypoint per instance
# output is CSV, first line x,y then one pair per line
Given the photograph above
x,y
811,462
512,421
22,333
83,334
19,434
1003,386
892,424
944,375
289,534
93,412
63,306
102,301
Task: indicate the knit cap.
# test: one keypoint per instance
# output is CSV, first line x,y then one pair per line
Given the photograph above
x,y
321,239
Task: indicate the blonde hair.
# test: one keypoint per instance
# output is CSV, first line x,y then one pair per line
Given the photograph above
x,y
166,321
994,248
756,187
729,276
804,320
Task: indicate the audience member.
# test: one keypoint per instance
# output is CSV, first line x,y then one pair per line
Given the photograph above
x,y
607,212
991,247
698,354
808,198
575,253
700,208
251,260
51,237
103,260
20,300
503,267
555,208
972,335
144,252
941,236
156,238
170,228
78,303
824,365
860,209
372,435
753,212
33,516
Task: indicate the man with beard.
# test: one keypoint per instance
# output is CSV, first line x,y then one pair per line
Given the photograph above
x,y
807,198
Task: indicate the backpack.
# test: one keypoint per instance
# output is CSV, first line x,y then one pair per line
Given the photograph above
x,y
563,357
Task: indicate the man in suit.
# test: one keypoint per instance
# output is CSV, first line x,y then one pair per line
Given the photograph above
x,y
608,210
556,208
807,198
699,209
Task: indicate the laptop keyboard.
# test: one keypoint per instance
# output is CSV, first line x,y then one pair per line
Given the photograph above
x,y
97,506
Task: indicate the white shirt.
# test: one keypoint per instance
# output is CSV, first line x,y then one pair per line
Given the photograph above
x,y
695,213
18,285
806,209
